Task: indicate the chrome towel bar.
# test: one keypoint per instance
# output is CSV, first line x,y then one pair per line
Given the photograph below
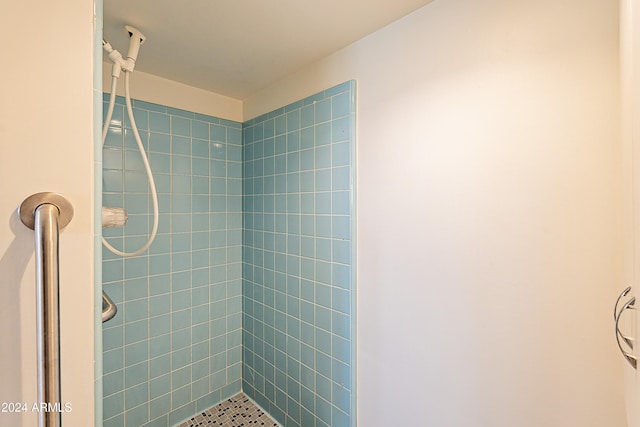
x,y
47,214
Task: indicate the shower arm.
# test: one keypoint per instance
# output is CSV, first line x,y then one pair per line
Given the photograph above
x,y
116,57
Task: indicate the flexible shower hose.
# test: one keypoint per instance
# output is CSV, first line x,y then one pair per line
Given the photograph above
x,y
145,160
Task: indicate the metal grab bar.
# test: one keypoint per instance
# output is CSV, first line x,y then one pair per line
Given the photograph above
x,y
109,308
47,214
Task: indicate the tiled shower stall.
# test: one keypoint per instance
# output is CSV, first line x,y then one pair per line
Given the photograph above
x,y
249,284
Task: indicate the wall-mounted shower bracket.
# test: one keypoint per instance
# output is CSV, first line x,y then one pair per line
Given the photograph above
x,y
136,39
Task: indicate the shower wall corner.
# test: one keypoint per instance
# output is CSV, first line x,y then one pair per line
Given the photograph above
x,y
299,260
256,233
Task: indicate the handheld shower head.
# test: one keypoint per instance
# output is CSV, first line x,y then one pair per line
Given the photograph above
x,y
136,38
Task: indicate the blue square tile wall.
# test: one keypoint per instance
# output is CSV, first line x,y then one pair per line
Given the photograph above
x,y
250,281
174,348
297,262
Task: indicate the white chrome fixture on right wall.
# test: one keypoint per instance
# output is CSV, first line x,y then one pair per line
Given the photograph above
x,y
628,341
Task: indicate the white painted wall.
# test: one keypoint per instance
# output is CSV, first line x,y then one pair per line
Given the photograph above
x,y
150,88
46,144
489,211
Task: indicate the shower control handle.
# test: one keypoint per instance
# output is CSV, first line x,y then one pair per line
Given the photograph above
x,y
109,308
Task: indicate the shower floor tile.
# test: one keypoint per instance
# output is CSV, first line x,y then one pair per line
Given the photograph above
x,y
237,411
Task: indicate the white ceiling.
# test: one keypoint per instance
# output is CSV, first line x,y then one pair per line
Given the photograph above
x,y
237,47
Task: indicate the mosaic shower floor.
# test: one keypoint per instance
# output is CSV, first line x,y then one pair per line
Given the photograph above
x,y
237,411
